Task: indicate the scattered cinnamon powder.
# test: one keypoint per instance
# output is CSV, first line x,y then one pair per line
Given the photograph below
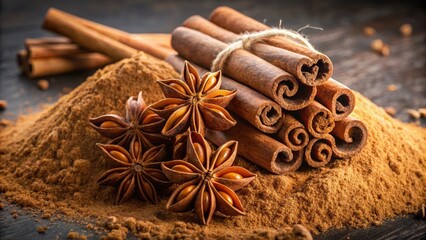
x,y
390,110
41,229
369,31
406,30
49,162
3,104
43,84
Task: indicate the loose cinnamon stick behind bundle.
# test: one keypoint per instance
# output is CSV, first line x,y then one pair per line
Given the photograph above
x,y
90,39
311,67
115,34
289,61
245,68
350,137
292,133
317,119
57,65
21,57
258,148
248,104
53,50
319,151
46,40
337,98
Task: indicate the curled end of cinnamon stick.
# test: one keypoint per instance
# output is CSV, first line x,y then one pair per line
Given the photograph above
x,y
269,118
287,162
337,98
316,71
21,58
293,134
291,95
317,119
350,137
319,151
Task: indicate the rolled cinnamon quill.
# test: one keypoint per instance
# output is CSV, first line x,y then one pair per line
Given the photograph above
x,y
350,137
127,39
53,50
287,60
309,66
293,134
258,148
58,65
21,59
46,40
337,98
317,119
248,104
88,38
243,67
319,151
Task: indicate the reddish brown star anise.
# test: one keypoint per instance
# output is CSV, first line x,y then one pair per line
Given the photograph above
x,y
134,171
207,180
140,124
194,102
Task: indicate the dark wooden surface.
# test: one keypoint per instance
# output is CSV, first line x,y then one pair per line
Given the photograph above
x,y
342,39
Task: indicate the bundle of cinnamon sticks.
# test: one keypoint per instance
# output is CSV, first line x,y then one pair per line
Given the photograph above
x,y
289,109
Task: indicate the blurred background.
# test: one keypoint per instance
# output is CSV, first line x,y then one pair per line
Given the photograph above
x,y
397,80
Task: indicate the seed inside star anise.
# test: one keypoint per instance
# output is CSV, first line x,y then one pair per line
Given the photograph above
x,y
140,124
207,180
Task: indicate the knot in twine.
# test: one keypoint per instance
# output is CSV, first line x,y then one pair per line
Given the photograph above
x,y
245,41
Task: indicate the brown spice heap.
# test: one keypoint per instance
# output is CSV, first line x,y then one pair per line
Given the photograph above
x,y
48,162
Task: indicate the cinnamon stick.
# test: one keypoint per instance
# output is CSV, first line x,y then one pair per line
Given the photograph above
x,y
46,40
53,50
258,148
245,68
311,67
90,39
293,134
350,137
289,61
21,58
161,39
258,110
319,151
115,34
58,65
317,119
337,98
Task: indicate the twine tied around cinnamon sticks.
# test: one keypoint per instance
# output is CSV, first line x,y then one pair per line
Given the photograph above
x,y
246,40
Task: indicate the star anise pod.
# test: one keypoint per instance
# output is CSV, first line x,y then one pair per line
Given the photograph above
x,y
140,124
195,103
207,180
134,171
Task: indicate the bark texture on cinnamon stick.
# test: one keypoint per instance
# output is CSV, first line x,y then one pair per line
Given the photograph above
x,y
337,98
292,133
313,68
317,119
88,38
289,61
319,151
115,34
258,110
350,137
245,68
258,148
39,67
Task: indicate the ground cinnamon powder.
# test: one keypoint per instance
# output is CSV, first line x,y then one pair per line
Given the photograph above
x,y
48,161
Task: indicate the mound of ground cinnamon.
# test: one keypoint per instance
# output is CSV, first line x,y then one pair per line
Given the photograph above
x,y
49,162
